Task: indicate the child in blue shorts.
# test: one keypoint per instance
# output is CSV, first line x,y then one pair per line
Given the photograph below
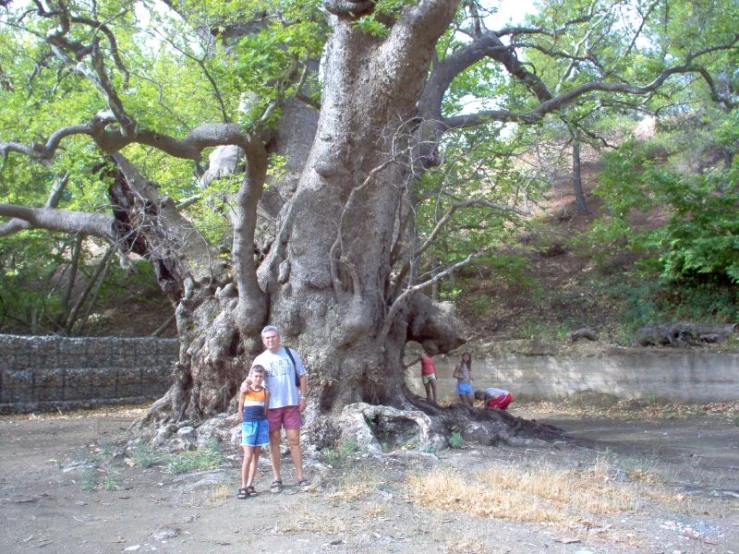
x,y
253,406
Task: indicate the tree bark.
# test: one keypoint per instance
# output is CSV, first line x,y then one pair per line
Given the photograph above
x,y
582,207
328,273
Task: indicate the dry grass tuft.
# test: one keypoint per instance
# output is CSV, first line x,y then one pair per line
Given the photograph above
x,y
374,511
539,494
219,495
356,485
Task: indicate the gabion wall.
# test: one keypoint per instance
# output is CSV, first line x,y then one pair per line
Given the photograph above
x,y
48,373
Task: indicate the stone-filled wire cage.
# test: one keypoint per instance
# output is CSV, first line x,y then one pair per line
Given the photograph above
x,y
49,373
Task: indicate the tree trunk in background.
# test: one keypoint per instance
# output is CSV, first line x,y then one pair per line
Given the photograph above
x,y
577,176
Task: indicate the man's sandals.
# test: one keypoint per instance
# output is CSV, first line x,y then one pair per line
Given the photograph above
x,y
246,492
276,486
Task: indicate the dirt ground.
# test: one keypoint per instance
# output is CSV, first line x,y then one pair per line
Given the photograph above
x,y
363,506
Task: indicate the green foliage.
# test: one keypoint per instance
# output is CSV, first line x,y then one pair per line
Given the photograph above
x,y
145,456
28,263
340,455
647,301
375,24
34,272
207,457
98,471
481,305
109,483
511,268
479,165
89,478
456,440
699,240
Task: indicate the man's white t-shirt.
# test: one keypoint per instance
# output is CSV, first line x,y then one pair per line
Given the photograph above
x,y
280,376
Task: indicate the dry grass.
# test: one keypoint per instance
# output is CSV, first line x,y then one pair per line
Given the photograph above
x,y
355,485
374,510
219,495
538,494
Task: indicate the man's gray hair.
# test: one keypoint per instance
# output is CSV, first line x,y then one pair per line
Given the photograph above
x,y
269,328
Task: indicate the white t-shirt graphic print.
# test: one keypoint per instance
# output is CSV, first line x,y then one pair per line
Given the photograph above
x,y
280,376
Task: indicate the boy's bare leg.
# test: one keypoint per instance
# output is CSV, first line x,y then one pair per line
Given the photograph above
x,y
293,441
253,466
246,466
432,383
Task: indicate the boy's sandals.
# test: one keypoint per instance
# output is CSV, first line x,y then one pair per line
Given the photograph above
x,y
246,492
304,483
276,486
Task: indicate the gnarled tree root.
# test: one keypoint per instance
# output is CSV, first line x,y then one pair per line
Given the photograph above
x,y
377,430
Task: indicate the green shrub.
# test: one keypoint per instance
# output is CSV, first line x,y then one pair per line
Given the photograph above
x,y
456,440
338,456
89,479
699,240
144,456
209,457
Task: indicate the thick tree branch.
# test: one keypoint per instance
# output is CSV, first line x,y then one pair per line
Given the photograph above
x,y
564,99
401,300
15,225
349,8
52,219
252,307
111,141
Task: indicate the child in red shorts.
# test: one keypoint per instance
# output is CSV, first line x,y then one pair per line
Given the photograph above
x,y
494,399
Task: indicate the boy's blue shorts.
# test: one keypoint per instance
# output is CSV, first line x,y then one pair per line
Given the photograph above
x,y
255,433
464,389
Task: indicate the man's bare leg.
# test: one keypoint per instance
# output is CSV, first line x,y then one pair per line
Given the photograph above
x,y
293,441
274,454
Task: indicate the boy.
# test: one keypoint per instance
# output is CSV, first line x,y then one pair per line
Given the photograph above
x,y
253,406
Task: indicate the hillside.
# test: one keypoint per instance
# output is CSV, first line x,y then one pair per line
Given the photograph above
x,y
561,283
559,287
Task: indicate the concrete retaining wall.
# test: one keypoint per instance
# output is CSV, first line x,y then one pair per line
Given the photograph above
x,y
547,372
46,373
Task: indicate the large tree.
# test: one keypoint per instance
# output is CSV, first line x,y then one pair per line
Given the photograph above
x,y
351,103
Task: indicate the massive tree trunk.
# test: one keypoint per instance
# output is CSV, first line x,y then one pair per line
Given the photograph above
x,y
327,280
328,275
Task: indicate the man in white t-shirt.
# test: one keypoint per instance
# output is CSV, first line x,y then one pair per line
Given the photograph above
x,y
287,381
